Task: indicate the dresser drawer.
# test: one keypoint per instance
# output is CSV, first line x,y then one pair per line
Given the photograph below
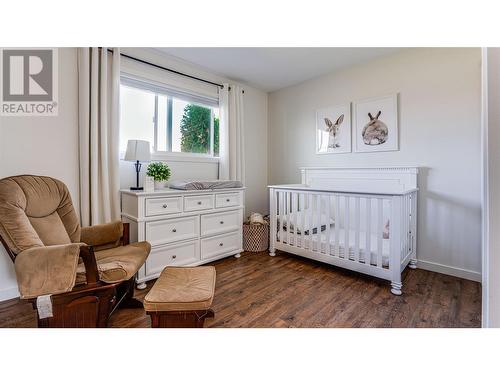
x,y
172,255
227,200
171,230
162,206
225,243
198,202
220,222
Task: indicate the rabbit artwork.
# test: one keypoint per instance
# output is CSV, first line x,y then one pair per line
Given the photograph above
x,y
375,132
333,131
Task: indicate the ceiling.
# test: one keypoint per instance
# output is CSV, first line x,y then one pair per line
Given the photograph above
x,y
271,69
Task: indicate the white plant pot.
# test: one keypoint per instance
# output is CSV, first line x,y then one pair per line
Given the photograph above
x,y
160,185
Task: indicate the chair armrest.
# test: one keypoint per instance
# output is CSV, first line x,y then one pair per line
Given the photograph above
x,y
47,269
90,263
103,236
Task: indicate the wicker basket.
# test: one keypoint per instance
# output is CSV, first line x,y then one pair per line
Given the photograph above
x,y
255,237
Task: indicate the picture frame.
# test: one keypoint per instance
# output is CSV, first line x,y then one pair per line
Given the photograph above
x,y
376,124
334,130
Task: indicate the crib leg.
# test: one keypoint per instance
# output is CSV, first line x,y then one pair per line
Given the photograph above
x,y
272,252
396,288
413,264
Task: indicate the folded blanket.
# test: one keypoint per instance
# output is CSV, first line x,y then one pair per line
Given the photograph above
x,y
205,185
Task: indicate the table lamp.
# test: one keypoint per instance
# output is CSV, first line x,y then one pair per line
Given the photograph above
x,y
137,151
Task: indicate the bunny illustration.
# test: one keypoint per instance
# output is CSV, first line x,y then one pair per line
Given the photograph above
x,y
333,131
375,132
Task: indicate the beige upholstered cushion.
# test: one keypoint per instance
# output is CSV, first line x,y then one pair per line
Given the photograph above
x,y
117,264
182,289
47,270
103,236
36,211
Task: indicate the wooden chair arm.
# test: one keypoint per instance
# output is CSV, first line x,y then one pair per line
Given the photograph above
x,y
126,234
90,263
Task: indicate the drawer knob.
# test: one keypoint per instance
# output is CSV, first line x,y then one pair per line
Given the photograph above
x,y
221,244
165,206
174,230
199,202
227,199
174,256
222,222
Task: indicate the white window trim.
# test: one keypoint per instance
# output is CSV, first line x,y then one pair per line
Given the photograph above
x,y
184,157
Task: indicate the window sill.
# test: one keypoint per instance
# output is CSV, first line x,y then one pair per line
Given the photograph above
x,y
183,157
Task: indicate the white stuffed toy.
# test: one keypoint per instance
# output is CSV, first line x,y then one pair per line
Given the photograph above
x,y
256,218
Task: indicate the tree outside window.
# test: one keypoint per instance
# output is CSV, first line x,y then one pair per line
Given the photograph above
x,y
195,130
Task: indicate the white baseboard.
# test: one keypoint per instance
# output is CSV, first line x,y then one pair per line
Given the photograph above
x,y
9,293
448,270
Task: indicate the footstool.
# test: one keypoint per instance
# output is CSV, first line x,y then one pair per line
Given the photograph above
x,y
181,297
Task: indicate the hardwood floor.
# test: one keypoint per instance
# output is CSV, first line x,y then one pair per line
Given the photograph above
x,y
257,290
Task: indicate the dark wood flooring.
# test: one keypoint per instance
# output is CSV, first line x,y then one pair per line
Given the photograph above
x,y
257,290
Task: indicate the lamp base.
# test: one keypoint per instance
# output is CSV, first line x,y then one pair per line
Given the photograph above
x,y
136,188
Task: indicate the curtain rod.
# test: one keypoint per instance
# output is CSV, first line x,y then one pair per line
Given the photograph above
x,y
170,70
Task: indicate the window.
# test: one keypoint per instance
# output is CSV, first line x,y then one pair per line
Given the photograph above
x,y
171,122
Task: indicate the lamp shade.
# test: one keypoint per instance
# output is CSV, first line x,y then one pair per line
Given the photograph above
x,y
137,150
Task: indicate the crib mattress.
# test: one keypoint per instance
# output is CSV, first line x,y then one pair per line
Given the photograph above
x,y
362,245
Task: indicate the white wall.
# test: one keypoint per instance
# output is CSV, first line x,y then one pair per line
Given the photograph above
x,y
43,146
491,284
439,111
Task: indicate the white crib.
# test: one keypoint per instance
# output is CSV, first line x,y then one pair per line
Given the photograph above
x,y
362,219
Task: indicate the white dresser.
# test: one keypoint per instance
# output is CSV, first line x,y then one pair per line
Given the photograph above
x,y
184,228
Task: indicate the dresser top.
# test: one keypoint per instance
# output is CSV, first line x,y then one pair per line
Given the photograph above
x,y
167,191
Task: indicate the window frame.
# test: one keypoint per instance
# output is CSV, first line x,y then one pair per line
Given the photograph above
x,y
159,89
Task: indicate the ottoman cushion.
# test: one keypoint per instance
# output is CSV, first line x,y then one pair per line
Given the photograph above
x,y
182,289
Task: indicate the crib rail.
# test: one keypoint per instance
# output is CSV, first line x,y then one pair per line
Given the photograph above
x,y
352,230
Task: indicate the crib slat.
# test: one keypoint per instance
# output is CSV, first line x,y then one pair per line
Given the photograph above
x,y
303,219
337,225
295,211
310,218
327,214
346,227
406,226
287,211
380,230
368,245
414,225
282,214
356,228
318,230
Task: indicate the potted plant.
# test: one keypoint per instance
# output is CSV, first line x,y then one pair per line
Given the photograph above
x,y
160,173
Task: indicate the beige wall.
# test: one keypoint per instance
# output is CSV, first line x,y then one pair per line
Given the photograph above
x,y
439,110
44,146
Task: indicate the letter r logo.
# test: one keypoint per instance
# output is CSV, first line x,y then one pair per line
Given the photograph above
x,y
27,75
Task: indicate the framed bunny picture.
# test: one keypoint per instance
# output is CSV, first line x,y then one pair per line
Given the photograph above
x,y
333,130
376,124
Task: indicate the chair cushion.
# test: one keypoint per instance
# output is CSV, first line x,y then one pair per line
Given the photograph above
x,y
117,264
50,229
46,270
35,211
182,289
103,236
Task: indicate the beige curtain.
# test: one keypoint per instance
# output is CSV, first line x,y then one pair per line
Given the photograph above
x,y
98,96
231,137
